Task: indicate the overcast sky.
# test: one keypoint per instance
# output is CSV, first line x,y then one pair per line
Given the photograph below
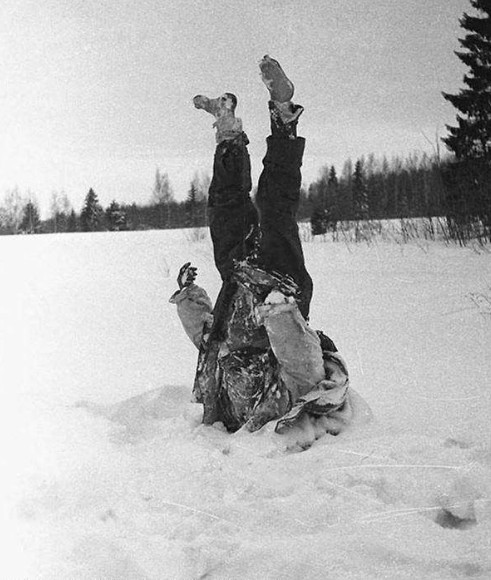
x,y
97,93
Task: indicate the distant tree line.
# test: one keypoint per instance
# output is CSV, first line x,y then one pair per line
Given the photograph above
x,y
377,189
457,188
20,214
370,188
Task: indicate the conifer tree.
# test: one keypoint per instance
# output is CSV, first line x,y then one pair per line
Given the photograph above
x,y
471,138
116,219
468,180
30,223
72,222
91,216
191,206
333,178
322,194
360,192
318,221
332,195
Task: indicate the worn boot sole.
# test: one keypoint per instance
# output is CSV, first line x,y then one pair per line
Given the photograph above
x,y
279,85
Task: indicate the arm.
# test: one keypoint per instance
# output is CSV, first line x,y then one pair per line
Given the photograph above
x,y
194,306
309,366
296,346
314,373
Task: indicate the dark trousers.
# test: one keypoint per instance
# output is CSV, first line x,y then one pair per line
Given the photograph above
x,y
233,217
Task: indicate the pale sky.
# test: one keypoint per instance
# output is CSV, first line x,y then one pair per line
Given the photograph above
x,y
97,93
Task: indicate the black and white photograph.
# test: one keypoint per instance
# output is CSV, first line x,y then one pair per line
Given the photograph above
x,y
245,299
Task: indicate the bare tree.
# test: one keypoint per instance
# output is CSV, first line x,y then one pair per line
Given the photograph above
x,y
163,196
12,211
54,209
60,209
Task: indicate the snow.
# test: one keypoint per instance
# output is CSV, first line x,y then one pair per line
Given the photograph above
x,y
108,474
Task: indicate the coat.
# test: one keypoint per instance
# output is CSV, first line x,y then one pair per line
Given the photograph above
x,y
264,362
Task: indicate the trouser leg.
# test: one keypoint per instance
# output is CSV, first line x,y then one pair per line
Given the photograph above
x,y
231,217
231,212
277,199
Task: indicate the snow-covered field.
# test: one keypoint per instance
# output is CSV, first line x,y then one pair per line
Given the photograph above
x,y
107,473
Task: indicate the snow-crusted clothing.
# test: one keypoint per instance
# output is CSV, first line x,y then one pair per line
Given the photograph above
x,y
195,311
232,215
258,358
269,364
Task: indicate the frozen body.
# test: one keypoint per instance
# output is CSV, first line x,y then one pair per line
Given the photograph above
x,y
259,359
129,485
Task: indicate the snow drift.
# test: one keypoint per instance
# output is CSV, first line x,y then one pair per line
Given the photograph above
x,y
108,472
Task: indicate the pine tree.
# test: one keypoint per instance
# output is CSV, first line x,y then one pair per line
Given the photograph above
x,y
91,216
333,178
471,138
332,195
30,223
304,205
191,206
360,192
468,180
116,219
318,199
323,199
72,222
318,221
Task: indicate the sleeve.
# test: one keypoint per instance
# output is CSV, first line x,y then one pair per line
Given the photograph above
x,y
314,373
194,309
330,399
296,346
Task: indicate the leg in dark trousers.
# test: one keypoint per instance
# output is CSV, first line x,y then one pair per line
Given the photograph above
x,y
232,216
231,212
278,198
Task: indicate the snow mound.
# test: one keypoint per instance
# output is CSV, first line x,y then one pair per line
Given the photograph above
x,y
130,485
159,495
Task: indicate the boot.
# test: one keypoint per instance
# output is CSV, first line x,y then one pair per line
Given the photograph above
x,y
279,85
227,125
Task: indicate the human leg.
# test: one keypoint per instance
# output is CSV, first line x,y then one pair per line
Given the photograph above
x,y
279,187
231,212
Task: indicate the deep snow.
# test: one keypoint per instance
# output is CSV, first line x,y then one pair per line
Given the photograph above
x,y
107,472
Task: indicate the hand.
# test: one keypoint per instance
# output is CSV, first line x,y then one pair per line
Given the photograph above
x,y
187,275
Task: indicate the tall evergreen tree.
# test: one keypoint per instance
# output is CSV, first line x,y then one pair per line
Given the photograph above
x,y
360,192
318,220
116,219
468,180
318,198
91,216
471,138
304,205
332,195
191,207
30,223
72,222
333,178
